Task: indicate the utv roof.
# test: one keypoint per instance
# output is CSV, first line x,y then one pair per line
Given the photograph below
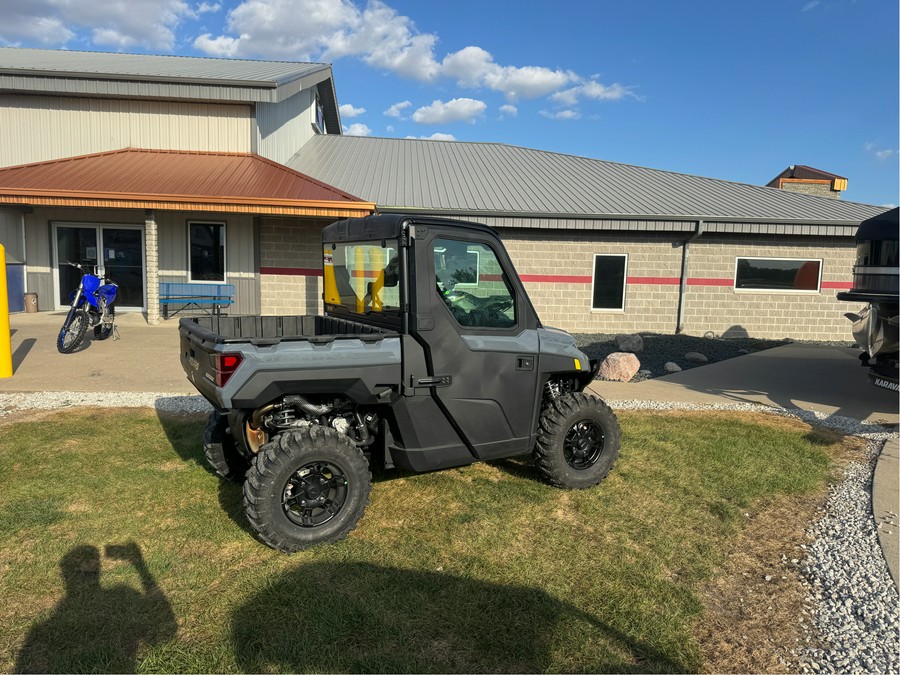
x,y
389,226
880,228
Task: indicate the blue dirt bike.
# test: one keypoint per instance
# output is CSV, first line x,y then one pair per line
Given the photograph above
x,y
92,305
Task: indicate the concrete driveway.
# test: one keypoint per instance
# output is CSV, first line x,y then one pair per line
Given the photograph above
x,y
822,379
144,359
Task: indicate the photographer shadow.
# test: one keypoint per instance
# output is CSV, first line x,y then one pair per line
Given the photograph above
x,y
97,628
347,617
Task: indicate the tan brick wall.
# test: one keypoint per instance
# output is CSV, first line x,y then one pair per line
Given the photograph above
x,y
817,189
289,294
568,305
294,244
654,307
807,316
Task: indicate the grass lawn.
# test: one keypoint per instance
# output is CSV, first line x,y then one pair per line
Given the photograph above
x,y
120,552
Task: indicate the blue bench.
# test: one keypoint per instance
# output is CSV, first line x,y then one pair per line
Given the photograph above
x,y
209,298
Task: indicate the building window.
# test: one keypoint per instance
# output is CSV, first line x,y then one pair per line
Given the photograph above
x,y
793,275
608,288
207,251
320,115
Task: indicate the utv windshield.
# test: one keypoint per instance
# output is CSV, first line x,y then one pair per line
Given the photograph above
x,y
363,277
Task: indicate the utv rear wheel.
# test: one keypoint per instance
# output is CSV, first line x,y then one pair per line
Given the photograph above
x,y
221,451
305,488
578,441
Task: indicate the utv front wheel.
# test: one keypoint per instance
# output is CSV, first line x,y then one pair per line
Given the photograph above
x,y
221,451
578,441
305,488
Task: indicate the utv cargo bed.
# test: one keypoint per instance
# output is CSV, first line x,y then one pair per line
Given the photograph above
x,y
263,330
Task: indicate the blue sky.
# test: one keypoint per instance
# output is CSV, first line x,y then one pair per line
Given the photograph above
x,y
727,89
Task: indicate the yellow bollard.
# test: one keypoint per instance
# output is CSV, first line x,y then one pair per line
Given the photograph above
x,y
330,294
378,284
5,339
360,274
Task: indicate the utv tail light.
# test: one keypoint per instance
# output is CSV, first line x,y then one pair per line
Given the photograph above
x,y
225,365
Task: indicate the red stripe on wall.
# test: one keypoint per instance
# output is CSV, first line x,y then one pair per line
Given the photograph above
x,y
554,279
655,281
292,271
699,281
567,279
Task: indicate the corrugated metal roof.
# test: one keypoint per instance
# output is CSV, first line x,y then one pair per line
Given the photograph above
x,y
107,65
493,179
52,71
172,176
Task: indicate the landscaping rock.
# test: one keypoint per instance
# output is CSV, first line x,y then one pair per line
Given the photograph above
x,y
671,367
619,367
696,357
630,343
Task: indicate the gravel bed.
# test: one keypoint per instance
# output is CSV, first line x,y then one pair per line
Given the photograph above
x,y
660,349
850,593
50,400
854,598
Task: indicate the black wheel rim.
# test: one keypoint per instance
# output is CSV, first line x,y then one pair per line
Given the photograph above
x,y
583,444
314,494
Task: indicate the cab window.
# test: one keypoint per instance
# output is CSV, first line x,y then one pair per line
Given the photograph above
x,y
473,285
362,277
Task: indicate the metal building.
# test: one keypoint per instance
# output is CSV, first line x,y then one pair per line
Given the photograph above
x,y
150,163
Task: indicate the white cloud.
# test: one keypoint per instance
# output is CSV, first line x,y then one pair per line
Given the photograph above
x,y
475,67
357,130
378,35
144,23
222,46
385,39
288,29
434,137
348,111
207,8
326,30
812,4
468,66
593,90
43,30
455,110
397,109
510,110
880,153
561,115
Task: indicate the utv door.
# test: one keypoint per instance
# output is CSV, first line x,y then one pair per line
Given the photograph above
x,y
480,333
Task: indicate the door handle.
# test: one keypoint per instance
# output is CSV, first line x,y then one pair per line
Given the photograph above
x,y
524,363
436,381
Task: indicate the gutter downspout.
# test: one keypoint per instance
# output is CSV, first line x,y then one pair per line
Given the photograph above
x,y
685,246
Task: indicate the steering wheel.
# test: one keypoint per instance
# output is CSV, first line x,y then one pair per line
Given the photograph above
x,y
492,302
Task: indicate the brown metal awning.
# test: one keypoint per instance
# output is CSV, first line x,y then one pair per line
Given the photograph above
x,y
176,180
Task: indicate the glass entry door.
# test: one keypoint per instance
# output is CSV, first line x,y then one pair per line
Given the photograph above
x,y
117,252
